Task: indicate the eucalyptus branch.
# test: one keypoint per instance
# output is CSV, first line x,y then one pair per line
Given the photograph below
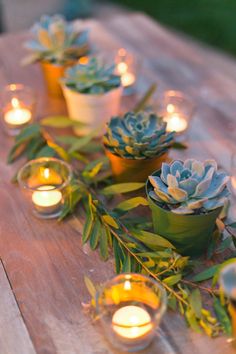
x,y
203,288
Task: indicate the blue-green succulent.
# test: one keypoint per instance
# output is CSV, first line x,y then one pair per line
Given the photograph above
x,y
137,136
56,41
190,187
95,77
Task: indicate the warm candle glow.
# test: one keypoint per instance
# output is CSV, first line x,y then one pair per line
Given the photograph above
x,y
17,115
46,196
175,122
122,68
127,79
131,322
46,173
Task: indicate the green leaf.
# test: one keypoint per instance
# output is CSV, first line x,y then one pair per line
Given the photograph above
x,y
127,264
90,286
195,301
152,240
95,234
179,146
87,227
60,122
132,203
29,132
95,170
33,146
103,244
192,321
66,139
104,160
120,188
117,255
16,151
108,219
62,153
233,225
172,280
82,142
46,151
222,316
206,274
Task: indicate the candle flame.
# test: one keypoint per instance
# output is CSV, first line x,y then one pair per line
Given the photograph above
x,y
83,60
46,173
170,108
122,68
127,285
15,103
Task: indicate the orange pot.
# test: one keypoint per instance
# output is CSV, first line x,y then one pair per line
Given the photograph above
x,y
132,170
52,74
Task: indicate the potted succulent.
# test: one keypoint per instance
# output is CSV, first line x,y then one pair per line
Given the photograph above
x,y
186,198
93,94
56,44
136,145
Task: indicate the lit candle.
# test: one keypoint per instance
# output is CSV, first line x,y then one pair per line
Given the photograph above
x,y
131,322
127,78
17,115
175,122
46,199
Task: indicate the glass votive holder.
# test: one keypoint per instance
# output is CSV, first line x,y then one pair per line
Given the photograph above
x,y
177,110
18,107
233,174
130,308
44,183
127,65
227,282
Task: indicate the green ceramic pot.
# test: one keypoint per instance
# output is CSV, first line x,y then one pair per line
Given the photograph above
x,y
190,234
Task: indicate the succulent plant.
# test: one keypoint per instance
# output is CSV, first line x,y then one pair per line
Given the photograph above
x,y
93,78
190,187
56,41
137,136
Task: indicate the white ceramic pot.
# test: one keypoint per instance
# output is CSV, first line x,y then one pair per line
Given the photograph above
x,y
94,110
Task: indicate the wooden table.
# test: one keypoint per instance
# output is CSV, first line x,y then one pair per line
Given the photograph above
x,y
42,262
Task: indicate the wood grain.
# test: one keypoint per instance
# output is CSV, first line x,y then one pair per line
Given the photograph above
x,y
44,260
14,336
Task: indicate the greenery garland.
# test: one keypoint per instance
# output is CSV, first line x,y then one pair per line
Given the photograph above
x,y
134,246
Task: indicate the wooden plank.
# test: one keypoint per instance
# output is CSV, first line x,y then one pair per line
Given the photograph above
x,y
45,260
14,337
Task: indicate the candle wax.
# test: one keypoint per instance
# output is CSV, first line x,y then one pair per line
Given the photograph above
x,y
17,115
131,322
47,197
175,122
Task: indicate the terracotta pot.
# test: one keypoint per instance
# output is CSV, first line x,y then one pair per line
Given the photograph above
x,y
93,110
190,234
52,74
132,170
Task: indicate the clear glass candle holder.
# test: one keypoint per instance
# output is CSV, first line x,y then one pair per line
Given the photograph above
x,y
130,308
44,183
127,65
177,110
233,174
18,107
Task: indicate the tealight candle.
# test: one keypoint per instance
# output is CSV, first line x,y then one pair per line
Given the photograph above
x,y
176,122
17,108
17,115
125,68
46,199
131,322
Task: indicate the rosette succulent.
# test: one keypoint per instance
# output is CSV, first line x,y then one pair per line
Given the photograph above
x,y
137,136
190,187
93,78
56,41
